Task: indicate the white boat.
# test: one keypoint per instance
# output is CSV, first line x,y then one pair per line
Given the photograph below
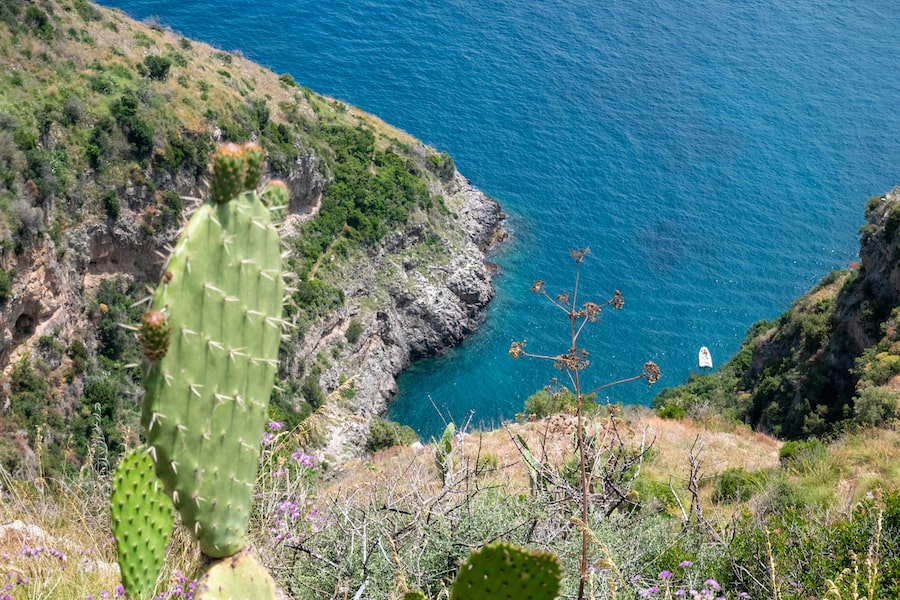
x,y
705,358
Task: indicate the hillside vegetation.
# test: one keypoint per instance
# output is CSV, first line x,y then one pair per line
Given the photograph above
x,y
829,364
105,125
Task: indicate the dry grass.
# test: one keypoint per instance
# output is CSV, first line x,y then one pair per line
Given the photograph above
x,y
552,441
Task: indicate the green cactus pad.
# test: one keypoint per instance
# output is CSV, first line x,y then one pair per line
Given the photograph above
x,y
505,572
206,400
141,523
238,577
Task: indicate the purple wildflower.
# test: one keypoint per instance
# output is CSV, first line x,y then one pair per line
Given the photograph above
x,y
685,563
275,425
665,575
713,584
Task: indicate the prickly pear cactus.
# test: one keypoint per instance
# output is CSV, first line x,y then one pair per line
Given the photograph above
x,y
505,572
239,577
141,523
207,393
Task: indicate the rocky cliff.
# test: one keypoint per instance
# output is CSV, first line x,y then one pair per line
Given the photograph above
x,y
832,360
84,226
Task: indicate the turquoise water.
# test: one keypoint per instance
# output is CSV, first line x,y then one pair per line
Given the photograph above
x,y
716,156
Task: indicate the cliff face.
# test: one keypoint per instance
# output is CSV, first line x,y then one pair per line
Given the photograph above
x,y
397,255
832,359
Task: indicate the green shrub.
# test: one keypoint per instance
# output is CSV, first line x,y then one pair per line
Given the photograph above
x,y
875,406
737,485
6,281
312,391
384,434
111,204
549,401
800,455
354,330
79,355
39,23
158,66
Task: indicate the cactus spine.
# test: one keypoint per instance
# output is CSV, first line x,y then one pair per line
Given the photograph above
x,y
141,523
207,394
506,572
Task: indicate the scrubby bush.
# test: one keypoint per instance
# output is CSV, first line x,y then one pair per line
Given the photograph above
x,y
384,434
552,400
875,406
800,454
737,485
158,66
6,281
354,330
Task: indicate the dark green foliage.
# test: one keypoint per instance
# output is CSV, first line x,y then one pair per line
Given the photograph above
x,y
287,79
384,434
372,193
138,131
875,406
97,418
737,485
317,297
110,309
6,281
807,551
549,401
800,454
158,67
79,355
354,330
87,11
312,391
111,204
39,22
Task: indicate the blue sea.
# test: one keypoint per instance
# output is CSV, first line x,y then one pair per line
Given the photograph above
x,y
716,156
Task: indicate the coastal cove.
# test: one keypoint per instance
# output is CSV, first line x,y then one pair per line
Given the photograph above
x,y
717,159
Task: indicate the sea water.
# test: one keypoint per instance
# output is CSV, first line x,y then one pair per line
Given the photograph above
x,y
716,156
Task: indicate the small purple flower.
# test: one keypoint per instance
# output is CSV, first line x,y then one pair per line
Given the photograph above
x,y
685,563
304,459
665,575
744,595
646,593
120,590
267,438
275,425
713,584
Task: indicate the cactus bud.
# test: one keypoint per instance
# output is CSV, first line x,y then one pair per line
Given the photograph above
x,y
228,173
153,334
253,159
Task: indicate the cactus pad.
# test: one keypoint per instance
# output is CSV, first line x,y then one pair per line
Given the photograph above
x,y
206,400
505,572
141,523
238,577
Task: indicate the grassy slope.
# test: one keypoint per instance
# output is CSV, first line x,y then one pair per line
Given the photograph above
x,y
825,483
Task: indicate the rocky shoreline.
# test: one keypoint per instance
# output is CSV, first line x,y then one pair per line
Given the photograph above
x,y
409,306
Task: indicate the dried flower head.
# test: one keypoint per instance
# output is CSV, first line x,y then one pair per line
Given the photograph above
x,y
590,311
538,286
651,372
517,349
580,253
617,301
